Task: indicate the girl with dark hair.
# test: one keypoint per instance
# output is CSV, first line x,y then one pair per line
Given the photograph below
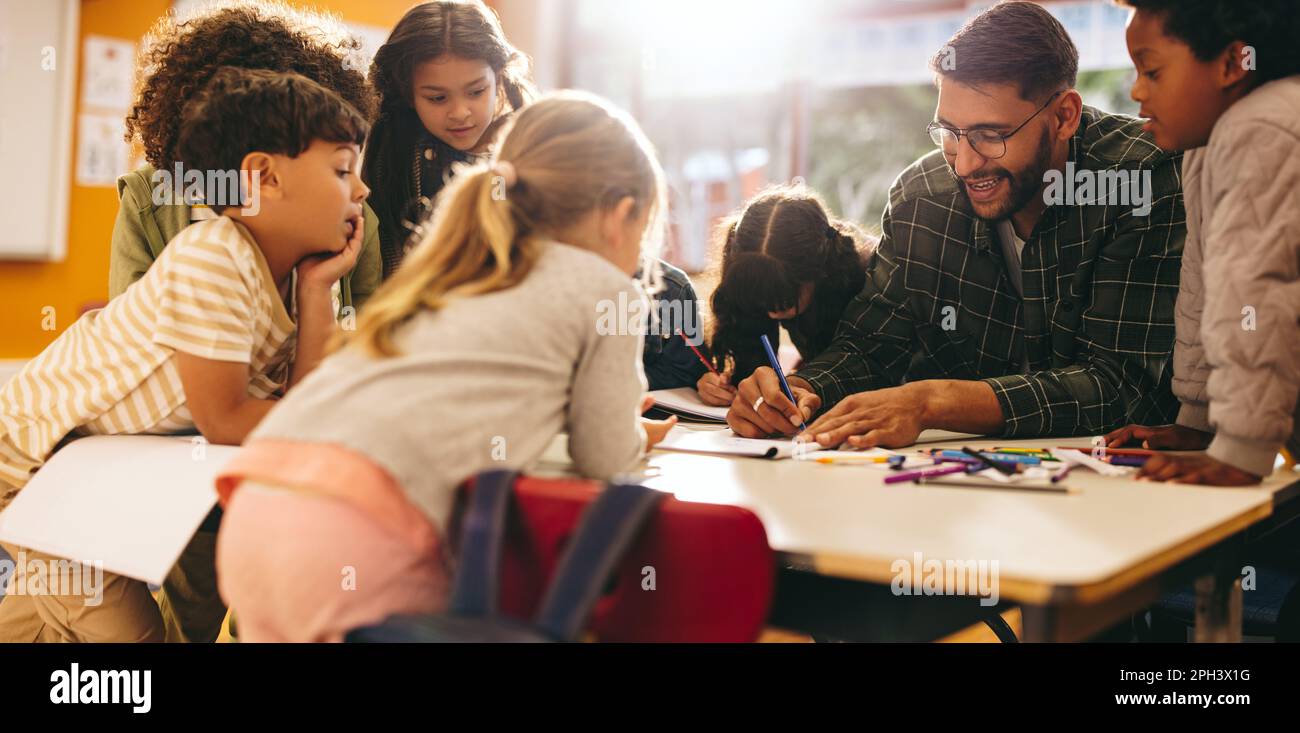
x,y
786,262
447,79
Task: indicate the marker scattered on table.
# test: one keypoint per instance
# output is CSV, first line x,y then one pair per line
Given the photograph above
x,y
924,473
853,459
1042,455
999,466
1065,471
1127,460
984,455
1103,450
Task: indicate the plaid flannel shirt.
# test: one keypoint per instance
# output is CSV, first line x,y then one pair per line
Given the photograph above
x,y
1096,321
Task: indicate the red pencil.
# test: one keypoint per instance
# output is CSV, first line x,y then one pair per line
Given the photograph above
x,y
698,354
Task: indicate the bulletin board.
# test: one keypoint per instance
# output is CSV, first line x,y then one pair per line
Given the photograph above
x,y
38,69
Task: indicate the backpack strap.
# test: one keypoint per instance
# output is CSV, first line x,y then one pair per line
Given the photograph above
x,y
478,568
604,534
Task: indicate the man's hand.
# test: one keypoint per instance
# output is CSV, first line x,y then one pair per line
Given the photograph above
x,y
1166,437
889,417
1195,469
761,408
716,389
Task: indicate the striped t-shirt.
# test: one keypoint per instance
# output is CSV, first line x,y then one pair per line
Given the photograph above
x,y
113,372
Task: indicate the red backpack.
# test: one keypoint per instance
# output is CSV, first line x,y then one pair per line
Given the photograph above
x,y
544,560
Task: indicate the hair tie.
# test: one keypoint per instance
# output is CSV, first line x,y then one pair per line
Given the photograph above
x,y
507,172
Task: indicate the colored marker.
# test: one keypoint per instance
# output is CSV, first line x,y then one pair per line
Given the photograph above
x,y
924,473
999,466
853,459
1103,450
996,457
1027,454
1127,460
780,374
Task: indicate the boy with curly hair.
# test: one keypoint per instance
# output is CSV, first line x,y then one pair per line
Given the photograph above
x,y
235,311
178,58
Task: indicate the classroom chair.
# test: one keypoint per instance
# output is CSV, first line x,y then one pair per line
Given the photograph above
x,y
691,573
1271,609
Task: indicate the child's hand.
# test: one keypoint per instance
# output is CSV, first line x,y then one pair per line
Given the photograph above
x,y
1166,437
716,389
320,272
1195,469
656,430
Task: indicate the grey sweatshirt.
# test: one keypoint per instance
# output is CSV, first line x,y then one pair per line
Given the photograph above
x,y
1237,355
487,382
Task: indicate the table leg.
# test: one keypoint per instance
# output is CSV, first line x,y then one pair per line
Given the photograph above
x,y
1040,624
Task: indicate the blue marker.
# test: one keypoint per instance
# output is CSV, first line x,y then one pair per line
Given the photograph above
x,y
999,457
776,366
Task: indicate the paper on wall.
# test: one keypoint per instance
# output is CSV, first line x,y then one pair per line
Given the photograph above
x,y
108,73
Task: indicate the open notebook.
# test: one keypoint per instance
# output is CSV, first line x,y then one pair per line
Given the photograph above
x,y
131,503
685,403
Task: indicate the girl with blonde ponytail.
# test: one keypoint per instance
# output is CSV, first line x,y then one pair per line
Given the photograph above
x,y
514,318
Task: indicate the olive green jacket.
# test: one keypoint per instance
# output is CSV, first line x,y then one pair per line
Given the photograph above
x,y
143,228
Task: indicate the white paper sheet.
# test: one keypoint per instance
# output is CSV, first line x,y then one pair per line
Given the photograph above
x,y
129,502
725,442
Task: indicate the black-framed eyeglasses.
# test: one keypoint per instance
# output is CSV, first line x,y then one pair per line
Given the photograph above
x,y
988,143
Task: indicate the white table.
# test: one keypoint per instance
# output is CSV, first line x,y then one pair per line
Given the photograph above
x,y
1077,562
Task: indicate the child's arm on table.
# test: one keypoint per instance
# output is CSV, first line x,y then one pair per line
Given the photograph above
x,y
216,393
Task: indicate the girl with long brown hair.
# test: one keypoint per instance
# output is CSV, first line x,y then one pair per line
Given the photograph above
x,y
447,79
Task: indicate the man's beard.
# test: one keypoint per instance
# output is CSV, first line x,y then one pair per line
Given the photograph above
x,y
1023,187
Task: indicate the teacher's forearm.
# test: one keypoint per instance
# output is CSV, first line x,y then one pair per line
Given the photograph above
x,y
959,405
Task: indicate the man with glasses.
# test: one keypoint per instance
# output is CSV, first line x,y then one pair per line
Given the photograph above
x,y
987,310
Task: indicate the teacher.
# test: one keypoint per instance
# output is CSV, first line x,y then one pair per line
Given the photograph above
x,y
1011,294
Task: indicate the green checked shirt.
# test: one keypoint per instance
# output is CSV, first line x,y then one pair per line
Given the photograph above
x,y
1095,324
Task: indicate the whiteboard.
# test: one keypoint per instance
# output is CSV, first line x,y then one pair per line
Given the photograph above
x,y
38,69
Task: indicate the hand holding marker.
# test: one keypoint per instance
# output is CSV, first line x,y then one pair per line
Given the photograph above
x,y
785,387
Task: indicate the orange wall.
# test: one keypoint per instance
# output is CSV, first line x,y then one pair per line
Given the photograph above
x,y
81,279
